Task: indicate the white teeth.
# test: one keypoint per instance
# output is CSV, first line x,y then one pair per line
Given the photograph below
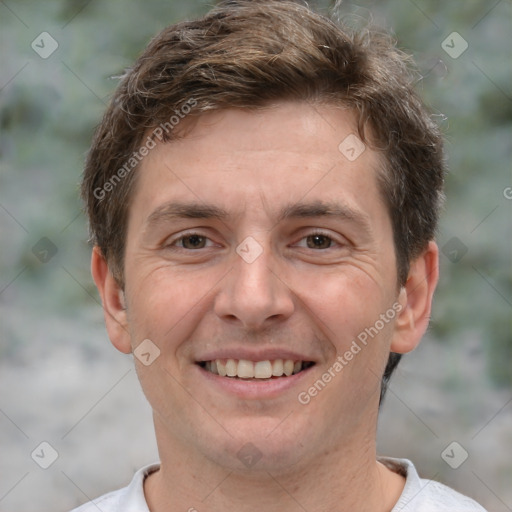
x,y
221,368
244,369
288,367
231,367
277,368
263,370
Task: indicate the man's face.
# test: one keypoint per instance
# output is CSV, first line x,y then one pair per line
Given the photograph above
x,y
255,238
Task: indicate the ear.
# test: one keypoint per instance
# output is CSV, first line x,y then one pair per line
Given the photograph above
x,y
112,298
416,301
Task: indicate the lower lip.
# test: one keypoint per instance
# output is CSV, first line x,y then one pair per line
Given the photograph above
x,y
253,388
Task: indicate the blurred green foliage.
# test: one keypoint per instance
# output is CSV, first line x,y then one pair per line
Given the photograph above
x,y
49,108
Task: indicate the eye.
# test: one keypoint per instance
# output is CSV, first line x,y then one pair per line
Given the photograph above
x,y
317,241
190,241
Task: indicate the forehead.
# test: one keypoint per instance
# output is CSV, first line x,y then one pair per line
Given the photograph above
x,y
289,153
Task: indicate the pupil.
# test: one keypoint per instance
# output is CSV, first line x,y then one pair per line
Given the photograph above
x,y
319,241
193,240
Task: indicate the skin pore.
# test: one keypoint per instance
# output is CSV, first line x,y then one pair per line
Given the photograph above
x,y
275,185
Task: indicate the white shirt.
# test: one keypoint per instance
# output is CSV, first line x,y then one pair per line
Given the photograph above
x,y
419,495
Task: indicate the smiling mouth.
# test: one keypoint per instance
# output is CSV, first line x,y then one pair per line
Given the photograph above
x,y
244,369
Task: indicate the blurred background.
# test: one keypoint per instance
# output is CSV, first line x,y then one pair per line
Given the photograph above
x,y
61,381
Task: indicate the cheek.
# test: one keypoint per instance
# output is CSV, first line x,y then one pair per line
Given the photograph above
x,y
166,305
347,307
346,301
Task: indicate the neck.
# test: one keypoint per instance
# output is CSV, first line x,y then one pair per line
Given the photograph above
x,y
346,478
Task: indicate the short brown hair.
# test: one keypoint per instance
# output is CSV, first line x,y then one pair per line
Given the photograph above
x,y
249,54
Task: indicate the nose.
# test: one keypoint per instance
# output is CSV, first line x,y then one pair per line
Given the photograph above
x,y
253,294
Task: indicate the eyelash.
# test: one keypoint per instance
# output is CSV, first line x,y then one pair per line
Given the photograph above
x,y
186,235
323,234
194,233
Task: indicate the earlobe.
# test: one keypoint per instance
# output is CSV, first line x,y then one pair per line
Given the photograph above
x,y
416,300
113,300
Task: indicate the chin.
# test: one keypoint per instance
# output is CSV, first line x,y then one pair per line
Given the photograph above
x,y
260,445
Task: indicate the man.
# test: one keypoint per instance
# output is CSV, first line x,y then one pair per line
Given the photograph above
x,y
263,193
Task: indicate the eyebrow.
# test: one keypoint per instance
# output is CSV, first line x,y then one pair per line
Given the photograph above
x,y
178,210
323,209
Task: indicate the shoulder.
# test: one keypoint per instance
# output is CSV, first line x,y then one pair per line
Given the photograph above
x,y
446,498
106,503
127,499
421,495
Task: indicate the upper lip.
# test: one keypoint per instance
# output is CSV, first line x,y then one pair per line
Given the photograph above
x,y
270,354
